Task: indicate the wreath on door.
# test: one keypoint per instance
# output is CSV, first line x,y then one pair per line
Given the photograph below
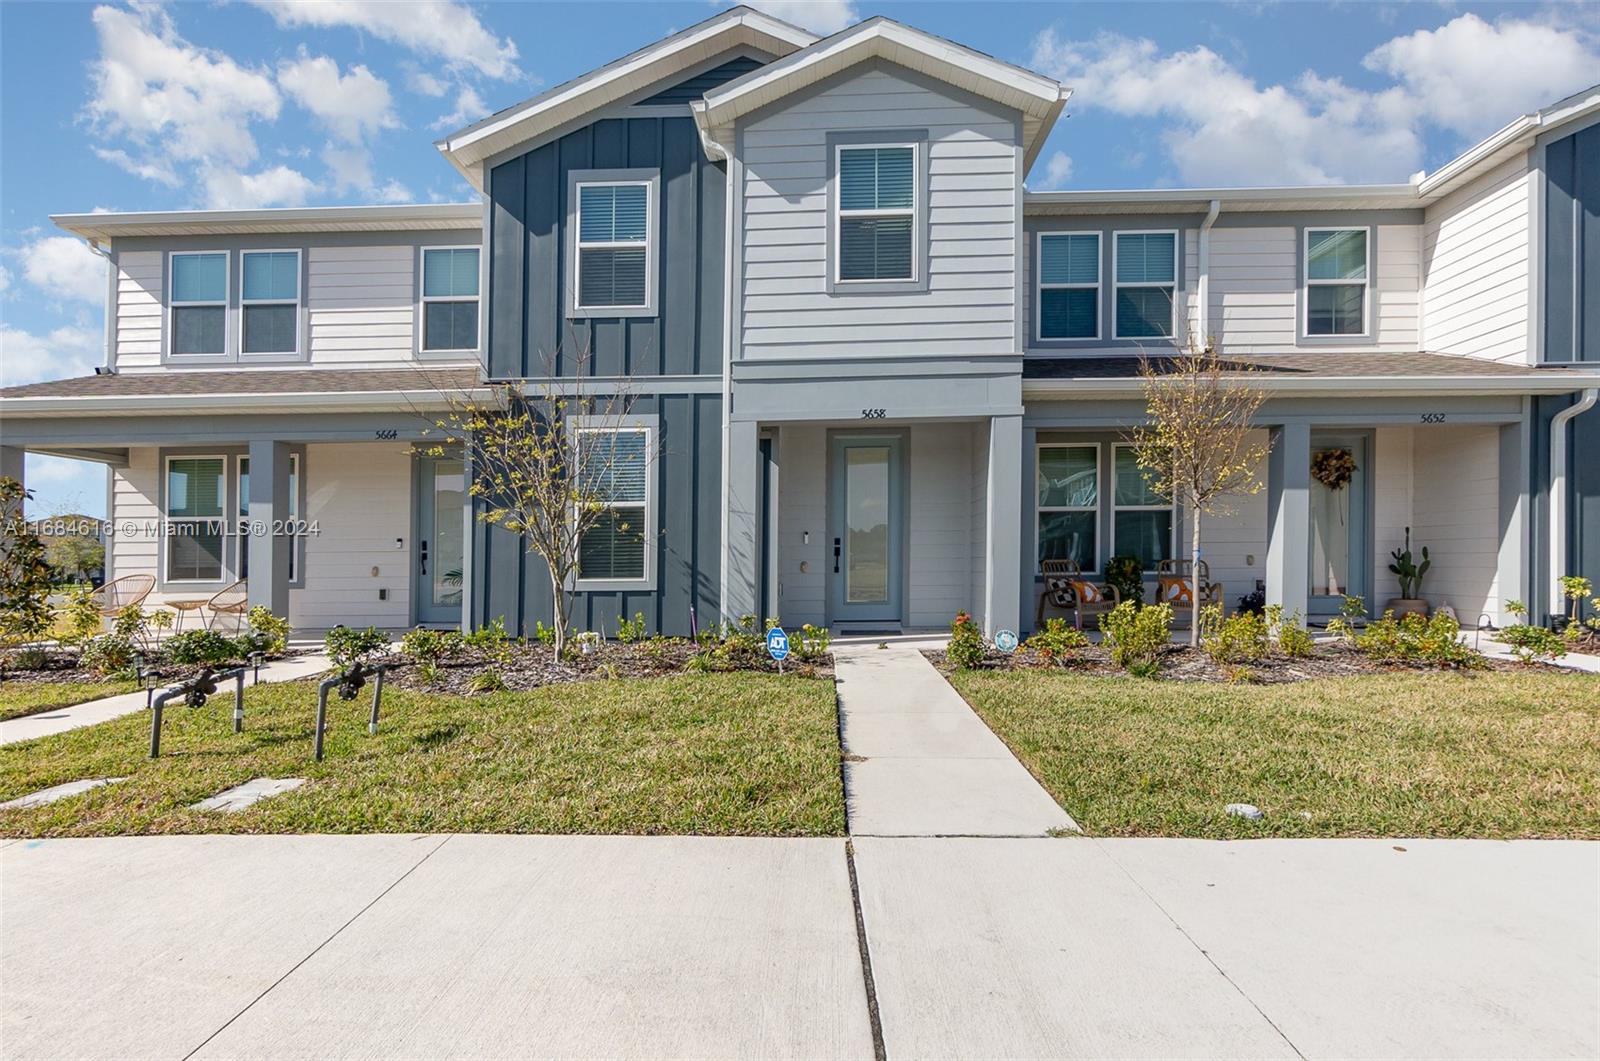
x,y
1333,468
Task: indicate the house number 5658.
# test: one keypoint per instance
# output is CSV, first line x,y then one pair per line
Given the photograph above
x,y
873,414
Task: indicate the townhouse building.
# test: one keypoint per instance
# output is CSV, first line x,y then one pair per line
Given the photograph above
x,y
875,379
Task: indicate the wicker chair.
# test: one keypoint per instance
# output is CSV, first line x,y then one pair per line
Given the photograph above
x,y
234,601
1172,585
122,592
1066,590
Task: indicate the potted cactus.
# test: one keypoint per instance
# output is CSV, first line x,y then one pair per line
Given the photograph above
x,y
1408,572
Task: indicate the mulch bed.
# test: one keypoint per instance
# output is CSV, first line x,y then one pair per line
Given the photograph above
x,y
1184,664
531,664
63,667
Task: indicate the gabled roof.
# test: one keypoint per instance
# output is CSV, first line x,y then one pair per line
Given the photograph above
x,y
633,73
1039,98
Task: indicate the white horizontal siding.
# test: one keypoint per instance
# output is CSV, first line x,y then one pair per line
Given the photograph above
x,y
1391,501
1476,278
138,309
802,511
359,496
939,579
970,304
1455,513
360,304
135,497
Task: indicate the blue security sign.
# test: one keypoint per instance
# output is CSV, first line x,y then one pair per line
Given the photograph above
x,y
777,643
1006,641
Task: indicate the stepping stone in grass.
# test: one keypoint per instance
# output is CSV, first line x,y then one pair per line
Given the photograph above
x,y
50,795
238,798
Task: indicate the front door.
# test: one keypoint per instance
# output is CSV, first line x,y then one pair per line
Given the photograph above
x,y
866,528
1340,556
438,553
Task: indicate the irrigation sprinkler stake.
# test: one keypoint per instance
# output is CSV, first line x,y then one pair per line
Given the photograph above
x,y
184,688
360,672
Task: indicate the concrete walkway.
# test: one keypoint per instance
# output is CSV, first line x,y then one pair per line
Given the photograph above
x,y
545,946
919,762
88,714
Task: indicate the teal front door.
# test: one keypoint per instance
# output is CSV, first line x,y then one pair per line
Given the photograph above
x,y
1341,556
866,512
438,552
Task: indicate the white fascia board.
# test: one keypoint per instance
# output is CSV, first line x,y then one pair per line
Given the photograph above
x,y
1366,386
100,227
468,147
308,401
1513,137
1198,200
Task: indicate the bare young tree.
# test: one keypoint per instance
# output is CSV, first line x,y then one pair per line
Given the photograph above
x,y
550,462
1196,447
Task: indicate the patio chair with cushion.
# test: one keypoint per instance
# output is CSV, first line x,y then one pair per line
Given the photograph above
x,y
234,601
122,592
1066,590
1173,578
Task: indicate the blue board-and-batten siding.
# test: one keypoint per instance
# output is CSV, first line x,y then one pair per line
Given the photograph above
x,y
514,585
700,84
529,247
1572,247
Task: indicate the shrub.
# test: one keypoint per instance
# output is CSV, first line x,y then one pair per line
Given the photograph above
x,y
1254,602
430,646
31,658
545,635
269,634
107,655
966,643
1289,632
1056,641
659,649
813,642
25,612
82,615
488,680
631,630
347,645
1126,575
202,647
1137,637
1412,639
1534,643
1240,638
492,641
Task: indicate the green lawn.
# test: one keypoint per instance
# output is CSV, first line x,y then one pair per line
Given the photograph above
x,y
27,698
1500,754
742,754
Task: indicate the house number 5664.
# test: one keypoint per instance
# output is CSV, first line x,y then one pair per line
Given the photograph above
x,y
873,414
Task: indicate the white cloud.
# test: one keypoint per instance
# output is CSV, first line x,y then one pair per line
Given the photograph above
x,y
351,106
5,279
1223,127
157,170
440,28
62,486
469,108
1057,172
67,351
63,267
818,16
393,191
423,83
228,189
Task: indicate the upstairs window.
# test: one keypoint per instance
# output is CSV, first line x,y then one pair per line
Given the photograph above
x,y
614,227
199,302
613,466
1069,285
1146,284
1336,281
876,215
450,298
194,500
269,299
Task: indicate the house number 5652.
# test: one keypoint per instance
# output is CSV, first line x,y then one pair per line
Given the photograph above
x,y
1433,418
873,414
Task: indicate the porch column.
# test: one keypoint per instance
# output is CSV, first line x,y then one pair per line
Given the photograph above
x,y
1515,498
1289,517
13,465
1003,536
741,549
269,504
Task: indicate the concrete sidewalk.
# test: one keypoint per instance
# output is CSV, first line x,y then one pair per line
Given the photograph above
x,y
927,766
77,716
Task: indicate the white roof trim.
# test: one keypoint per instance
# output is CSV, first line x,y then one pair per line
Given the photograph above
x,y
633,73
1514,137
103,226
1198,200
1039,98
1532,383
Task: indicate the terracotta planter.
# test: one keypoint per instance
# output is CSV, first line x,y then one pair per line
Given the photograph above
x,y
1403,606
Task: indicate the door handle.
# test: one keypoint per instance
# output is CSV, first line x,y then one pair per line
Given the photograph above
x,y
836,548
422,557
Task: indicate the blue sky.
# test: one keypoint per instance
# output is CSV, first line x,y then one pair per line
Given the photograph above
x,y
283,103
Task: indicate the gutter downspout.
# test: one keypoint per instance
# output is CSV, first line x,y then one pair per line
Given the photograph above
x,y
111,281
1558,493
729,288
1203,284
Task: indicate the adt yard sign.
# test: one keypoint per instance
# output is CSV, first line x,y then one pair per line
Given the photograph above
x,y
777,643
1006,641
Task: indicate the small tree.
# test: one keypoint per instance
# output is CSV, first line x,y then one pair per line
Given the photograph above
x,y
77,553
1196,448
25,613
544,463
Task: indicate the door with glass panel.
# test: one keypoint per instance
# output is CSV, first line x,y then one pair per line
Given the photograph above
x,y
866,512
1068,493
438,553
1340,556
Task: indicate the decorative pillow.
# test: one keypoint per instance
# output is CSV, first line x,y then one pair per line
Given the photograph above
x,y
1088,592
1059,589
1176,591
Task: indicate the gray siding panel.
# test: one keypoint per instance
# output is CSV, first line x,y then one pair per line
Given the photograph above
x,y
1572,247
529,328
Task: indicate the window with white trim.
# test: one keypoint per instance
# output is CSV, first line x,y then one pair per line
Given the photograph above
x,y
1069,285
198,301
194,518
449,298
269,302
876,213
1141,522
614,244
1146,270
613,470
1068,501
1336,281
244,513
